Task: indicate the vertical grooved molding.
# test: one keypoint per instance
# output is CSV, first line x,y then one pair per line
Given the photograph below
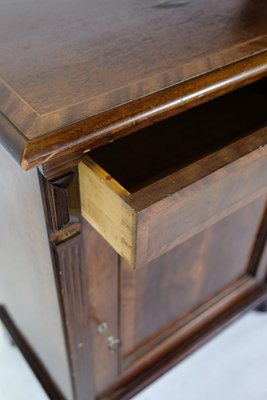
x,y
62,208
72,279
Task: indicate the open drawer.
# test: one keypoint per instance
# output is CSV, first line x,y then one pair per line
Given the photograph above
x,y
152,190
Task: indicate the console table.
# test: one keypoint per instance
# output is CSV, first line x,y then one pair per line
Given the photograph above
x,y
133,184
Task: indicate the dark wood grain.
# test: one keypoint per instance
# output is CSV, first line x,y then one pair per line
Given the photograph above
x,y
65,53
126,119
62,208
185,187
71,275
156,356
61,200
27,284
181,87
175,57
257,264
184,279
102,263
219,315
219,200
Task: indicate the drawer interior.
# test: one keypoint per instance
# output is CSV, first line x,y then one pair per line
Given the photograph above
x,y
155,152
154,189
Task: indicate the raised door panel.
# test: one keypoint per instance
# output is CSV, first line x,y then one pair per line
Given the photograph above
x,y
158,299
101,263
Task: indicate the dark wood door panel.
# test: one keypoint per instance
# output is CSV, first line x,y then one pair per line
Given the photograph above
x,y
159,297
101,262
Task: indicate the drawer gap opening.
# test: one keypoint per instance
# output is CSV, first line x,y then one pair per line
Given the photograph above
x,y
155,152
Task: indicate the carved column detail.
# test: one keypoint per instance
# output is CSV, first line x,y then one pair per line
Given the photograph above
x,y
62,209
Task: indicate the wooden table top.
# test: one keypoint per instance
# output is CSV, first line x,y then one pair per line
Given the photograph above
x,y
79,73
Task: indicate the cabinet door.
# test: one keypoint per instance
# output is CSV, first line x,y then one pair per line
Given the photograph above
x,y
183,204
168,298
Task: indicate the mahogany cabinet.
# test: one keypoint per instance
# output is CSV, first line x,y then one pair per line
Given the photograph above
x,y
138,227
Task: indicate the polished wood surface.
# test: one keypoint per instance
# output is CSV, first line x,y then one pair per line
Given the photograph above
x,y
62,211
72,283
185,278
159,200
148,119
27,284
73,141
223,310
57,60
102,266
194,292
167,309
65,52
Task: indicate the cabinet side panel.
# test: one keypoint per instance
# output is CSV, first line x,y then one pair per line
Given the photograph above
x,y
27,284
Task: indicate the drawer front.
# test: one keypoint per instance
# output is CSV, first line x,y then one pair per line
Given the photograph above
x,y
208,199
144,225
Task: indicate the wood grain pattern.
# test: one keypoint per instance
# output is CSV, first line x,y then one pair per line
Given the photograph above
x,y
61,201
105,127
200,204
175,208
102,262
103,206
64,60
147,359
184,279
257,263
181,196
71,274
27,283
221,312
